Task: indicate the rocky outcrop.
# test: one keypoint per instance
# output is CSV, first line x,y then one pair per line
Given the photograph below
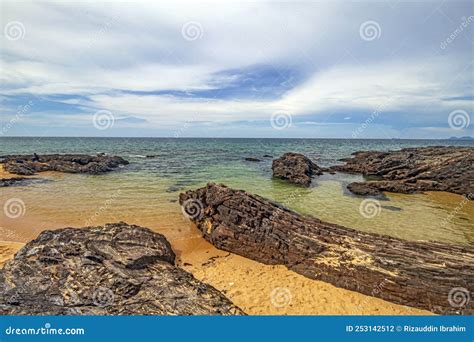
x,y
295,168
116,269
70,163
429,275
12,181
413,170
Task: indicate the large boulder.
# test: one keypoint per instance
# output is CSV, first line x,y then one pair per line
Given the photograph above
x,y
28,165
295,168
116,269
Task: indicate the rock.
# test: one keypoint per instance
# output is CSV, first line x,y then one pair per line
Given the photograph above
x,y
267,156
295,168
414,170
252,159
71,163
174,188
116,269
12,181
420,274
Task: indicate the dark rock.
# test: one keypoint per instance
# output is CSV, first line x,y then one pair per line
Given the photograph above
x,y
414,170
252,159
415,273
295,168
12,181
116,269
71,163
151,156
267,156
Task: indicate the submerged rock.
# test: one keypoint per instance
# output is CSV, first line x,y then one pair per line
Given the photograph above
x,y
252,159
71,163
116,269
420,274
413,170
295,168
12,181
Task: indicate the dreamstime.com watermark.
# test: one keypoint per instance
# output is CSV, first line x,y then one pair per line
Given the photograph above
x,y
192,30
21,112
46,330
14,208
372,117
370,208
370,30
455,212
280,297
452,37
14,30
107,204
281,120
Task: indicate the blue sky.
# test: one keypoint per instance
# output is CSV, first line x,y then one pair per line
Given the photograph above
x,y
340,69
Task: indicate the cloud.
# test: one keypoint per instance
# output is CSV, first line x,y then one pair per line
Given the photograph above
x,y
248,61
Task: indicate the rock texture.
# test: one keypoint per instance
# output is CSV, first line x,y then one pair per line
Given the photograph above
x,y
428,275
295,168
12,181
116,269
413,170
71,163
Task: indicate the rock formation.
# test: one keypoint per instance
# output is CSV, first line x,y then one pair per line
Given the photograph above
x,y
71,163
413,170
12,181
116,269
429,275
295,168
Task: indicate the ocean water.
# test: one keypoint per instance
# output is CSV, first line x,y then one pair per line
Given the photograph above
x,y
146,191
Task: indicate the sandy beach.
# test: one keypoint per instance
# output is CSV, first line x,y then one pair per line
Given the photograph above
x,y
274,290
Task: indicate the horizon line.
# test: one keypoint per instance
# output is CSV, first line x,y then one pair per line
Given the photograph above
x,y
167,137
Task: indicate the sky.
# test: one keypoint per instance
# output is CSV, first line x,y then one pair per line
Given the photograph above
x,y
276,69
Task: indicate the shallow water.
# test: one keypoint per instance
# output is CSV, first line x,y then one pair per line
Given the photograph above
x,y
146,191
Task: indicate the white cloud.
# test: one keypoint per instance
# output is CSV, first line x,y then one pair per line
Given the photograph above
x,y
95,49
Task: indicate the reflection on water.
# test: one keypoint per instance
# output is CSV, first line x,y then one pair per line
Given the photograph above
x,y
149,196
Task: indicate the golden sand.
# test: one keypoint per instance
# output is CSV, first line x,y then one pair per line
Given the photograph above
x,y
7,250
274,290
6,174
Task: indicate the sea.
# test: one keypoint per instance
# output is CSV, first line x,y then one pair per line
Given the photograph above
x,y
146,191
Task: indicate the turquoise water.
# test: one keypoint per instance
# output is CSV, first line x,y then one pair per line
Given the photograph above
x,y
146,191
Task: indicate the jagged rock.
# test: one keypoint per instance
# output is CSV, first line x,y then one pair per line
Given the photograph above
x,y
116,269
12,181
420,274
72,163
295,168
413,170
252,159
